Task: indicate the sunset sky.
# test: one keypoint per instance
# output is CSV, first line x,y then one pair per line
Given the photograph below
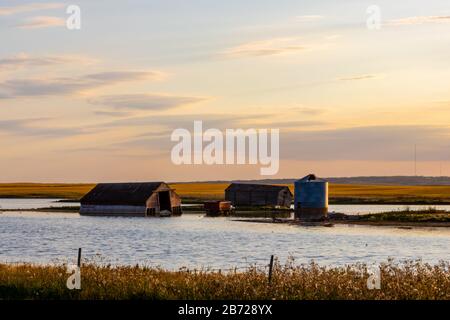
x,y
100,103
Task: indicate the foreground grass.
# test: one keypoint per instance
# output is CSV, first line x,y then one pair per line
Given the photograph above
x,y
410,280
191,192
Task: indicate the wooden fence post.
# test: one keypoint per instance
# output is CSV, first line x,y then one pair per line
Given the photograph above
x,y
270,269
79,258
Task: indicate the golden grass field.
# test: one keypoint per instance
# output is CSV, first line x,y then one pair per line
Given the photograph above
x,y
339,193
44,190
409,280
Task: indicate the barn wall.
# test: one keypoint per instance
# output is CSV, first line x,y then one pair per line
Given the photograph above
x,y
112,210
153,201
284,198
175,200
258,198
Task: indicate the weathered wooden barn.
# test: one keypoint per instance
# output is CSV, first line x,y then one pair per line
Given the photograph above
x,y
131,199
245,194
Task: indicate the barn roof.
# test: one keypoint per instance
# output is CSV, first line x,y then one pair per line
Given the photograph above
x,y
121,193
255,187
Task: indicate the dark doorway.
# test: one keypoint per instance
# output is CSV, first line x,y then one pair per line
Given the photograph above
x,y
164,201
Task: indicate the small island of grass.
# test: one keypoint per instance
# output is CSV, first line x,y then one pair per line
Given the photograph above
x,y
427,217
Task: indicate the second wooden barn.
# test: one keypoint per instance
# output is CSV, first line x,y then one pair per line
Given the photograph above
x,y
131,199
246,194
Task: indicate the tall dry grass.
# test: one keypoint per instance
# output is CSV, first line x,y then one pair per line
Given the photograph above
x,y
409,280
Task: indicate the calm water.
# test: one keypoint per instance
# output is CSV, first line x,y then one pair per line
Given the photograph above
x,y
193,241
34,203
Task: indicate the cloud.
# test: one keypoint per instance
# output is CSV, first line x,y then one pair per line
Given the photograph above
x,y
34,127
118,76
107,113
309,111
6,11
157,129
24,60
295,124
309,18
359,77
145,101
42,22
63,86
418,20
370,143
276,46
171,122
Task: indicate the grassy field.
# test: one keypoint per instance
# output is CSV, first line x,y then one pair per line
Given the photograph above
x,y
44,190
340,193
410,280
203,191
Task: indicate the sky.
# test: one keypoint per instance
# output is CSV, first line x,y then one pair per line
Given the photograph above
x,y
100,103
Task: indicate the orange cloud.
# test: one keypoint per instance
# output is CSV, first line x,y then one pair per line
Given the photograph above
x,y
6,11
276,46
418,20
42,22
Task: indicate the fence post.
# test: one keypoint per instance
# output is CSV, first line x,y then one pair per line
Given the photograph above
x,y
270,269
79,258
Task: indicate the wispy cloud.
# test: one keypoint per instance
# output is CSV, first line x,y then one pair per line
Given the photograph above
x,y
308,18
25,60
119,76
63,86
364,143
360,77
42,22
276,46
304,110
211,120
418,20
6,11
114,113
145,101
34,127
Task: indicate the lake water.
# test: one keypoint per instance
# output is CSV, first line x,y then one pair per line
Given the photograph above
x,y
193,241
34,203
